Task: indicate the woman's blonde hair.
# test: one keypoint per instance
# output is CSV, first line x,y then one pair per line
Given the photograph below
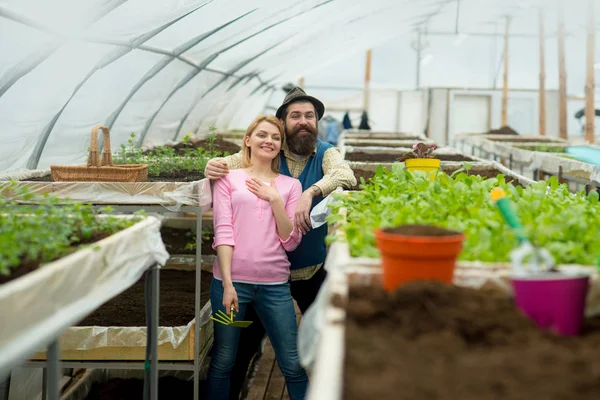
x,y
246,152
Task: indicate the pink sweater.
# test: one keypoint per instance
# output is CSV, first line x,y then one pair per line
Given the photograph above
x,y
246,222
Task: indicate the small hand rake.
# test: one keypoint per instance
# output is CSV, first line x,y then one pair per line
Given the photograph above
x,y
225,319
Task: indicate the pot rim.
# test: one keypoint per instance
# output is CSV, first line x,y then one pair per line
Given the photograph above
x,y
459,236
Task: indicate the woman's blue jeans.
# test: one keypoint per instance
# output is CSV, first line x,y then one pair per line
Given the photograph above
x,y
275,308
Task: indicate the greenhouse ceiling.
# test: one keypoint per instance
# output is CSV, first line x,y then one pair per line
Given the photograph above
x,y
162,69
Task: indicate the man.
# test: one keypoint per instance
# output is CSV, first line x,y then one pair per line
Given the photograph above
x,y
321,169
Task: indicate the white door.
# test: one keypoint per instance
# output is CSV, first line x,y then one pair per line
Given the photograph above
x,y
471,114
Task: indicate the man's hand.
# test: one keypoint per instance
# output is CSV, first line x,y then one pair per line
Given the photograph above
x,y
302,213
216,169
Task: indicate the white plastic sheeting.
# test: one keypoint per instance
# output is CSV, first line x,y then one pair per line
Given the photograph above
x,y
38,306
164,69
171,195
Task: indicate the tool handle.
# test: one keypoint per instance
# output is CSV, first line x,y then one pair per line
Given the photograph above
x,y
511,218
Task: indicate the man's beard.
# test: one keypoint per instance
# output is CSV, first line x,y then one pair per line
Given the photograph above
x,y
301,144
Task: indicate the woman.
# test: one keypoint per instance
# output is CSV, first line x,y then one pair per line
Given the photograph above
x,y
253,221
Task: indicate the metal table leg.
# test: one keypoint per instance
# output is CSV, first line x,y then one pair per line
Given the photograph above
x,y
198,304
151,364
53,372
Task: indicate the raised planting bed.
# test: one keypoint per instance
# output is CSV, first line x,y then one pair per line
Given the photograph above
x,y
387,154
382,142
361,134
117,330
102,384
567,224
51,281
171,195
523,139
487,169
198,147
430,340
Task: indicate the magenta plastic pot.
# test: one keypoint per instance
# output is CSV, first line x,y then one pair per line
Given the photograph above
x,y
554,301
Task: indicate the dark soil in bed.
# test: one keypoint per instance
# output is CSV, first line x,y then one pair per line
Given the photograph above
x,y
361,156
433,341
179,176
175,240
177,300
169,388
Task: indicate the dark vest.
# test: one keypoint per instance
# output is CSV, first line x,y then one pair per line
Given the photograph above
x,y
311,250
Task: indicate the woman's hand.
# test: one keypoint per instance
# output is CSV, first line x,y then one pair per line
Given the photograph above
x,y
265,192
230,299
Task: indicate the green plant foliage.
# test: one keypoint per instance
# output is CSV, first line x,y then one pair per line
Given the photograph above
x,y
165,159
50,229
567,224
544,148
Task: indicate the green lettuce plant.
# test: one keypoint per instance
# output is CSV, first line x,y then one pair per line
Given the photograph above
x,y
567,224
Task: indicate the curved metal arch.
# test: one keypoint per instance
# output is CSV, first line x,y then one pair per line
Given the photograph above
x,y
237,68
180,50
111,57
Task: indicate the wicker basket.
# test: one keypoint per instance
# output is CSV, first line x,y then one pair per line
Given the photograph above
x,y
98,170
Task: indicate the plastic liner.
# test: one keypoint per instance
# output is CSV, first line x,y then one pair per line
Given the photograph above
x,y
37,307
171,195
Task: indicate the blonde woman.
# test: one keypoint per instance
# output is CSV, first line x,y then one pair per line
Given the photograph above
x,y
253,221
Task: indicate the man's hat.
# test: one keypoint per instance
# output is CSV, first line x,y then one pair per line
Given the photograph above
x,y
298,94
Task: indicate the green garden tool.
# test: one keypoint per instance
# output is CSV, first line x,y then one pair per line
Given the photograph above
x,y
538,258
225,319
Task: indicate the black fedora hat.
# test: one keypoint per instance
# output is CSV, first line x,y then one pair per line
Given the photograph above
x,y
298,94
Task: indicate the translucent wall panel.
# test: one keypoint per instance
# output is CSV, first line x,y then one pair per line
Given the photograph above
x,y
249,109
149,98
15,52
136,17
32,102
241,94
92,104
166,124
205,107
207,18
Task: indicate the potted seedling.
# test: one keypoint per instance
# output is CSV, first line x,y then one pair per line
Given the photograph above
x,y
421,158
417,252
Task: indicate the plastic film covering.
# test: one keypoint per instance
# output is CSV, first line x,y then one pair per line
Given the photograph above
x,y
171,195
321,340
38,306
79,338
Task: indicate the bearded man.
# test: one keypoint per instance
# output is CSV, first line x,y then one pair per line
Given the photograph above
x,y
321,169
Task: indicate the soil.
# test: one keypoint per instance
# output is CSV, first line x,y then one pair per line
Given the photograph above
x,y
433,341
28,266
420,230
177,300
175,240
505,130
126,389
179,176
389,143
381,136
387,157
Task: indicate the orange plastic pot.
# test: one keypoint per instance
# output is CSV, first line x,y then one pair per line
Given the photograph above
x,y
411,257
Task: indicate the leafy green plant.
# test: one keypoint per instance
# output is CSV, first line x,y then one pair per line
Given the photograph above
x,y
52,228
567,224
167,160
207,236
